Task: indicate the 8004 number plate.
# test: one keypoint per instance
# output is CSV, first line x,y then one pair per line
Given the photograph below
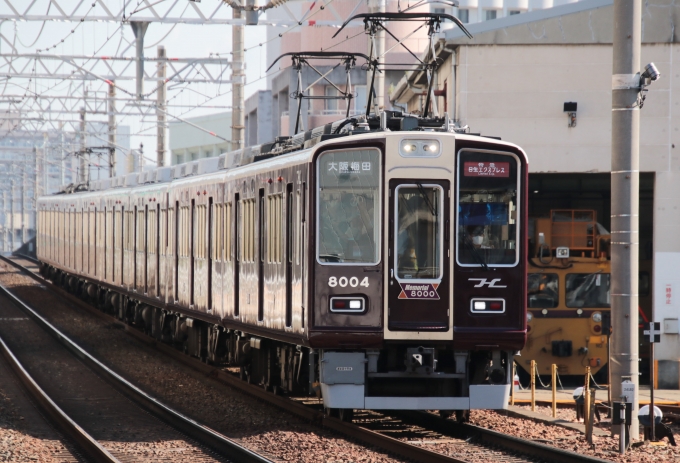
x,y
343,282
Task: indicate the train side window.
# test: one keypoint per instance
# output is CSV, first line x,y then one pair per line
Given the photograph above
x,y
141,245
349,205
275,229
170,236
543,290
215,232
587,290
152,228
247,237
227,232
163,232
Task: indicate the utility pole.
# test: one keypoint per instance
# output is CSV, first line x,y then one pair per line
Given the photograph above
x,y
112,129
5,222
62,158
23,203
139,29
237,75
377,6
625,200
140,162
161,95
83,167
11,212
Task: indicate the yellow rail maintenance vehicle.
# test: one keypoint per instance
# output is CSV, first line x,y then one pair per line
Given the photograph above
x,y
568,316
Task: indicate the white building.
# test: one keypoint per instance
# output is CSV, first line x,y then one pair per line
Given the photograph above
x,y
513,79
188,143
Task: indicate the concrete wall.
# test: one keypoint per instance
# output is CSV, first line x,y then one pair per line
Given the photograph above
x,y
518,91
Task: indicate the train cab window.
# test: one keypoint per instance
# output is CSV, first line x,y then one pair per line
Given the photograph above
x,y
419,231
348,201
488,197
587,289
543,290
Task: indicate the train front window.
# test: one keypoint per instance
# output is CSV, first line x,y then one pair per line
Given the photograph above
x,y
587,290
543,290
488,198
348,201
419,234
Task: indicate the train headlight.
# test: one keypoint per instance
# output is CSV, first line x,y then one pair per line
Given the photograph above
x,y
530,317
597,317
414,147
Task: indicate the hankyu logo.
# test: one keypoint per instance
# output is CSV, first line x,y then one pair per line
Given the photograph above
x,y
483,282
343,368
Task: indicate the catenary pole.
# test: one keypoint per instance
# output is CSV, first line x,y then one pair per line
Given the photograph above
x,y
112,129
161,95
625,199
237,75
139,29
82,167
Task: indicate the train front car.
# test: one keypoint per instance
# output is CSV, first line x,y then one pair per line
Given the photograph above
x,y
418,286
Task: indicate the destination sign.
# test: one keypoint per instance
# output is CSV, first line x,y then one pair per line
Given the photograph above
x,y
486,169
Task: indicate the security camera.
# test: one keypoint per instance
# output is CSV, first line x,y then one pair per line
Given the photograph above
x,y
651,72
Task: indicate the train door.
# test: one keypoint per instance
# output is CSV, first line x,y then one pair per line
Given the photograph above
x,y
238,223
192,260
290,220
209,253
260,272
419,262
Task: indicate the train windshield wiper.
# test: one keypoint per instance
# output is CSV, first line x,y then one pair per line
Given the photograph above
x,y
475,252
430,206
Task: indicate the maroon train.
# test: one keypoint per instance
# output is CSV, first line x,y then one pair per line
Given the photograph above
x,y
381,268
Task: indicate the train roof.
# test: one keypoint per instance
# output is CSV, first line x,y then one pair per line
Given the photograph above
x,y
281,151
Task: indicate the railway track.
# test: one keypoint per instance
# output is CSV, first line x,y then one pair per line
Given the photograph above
x,y
407,434
102,414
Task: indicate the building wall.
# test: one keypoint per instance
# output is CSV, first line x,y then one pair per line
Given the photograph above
x,y
517,92
188,143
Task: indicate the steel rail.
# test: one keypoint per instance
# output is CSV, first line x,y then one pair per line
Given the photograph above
x,y
403,449
386,443
75,433
202,434
489,437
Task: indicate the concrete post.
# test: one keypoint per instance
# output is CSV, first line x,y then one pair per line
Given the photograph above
x,y
238,76
5,223
139,29
625,199
83,167
140,159
161,95
62,161
112,129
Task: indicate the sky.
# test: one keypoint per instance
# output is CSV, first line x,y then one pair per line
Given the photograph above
x,y
110,38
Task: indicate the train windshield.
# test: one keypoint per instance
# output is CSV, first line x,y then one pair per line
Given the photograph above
x,y
543,290
348,201
419,222
587,290
487,209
